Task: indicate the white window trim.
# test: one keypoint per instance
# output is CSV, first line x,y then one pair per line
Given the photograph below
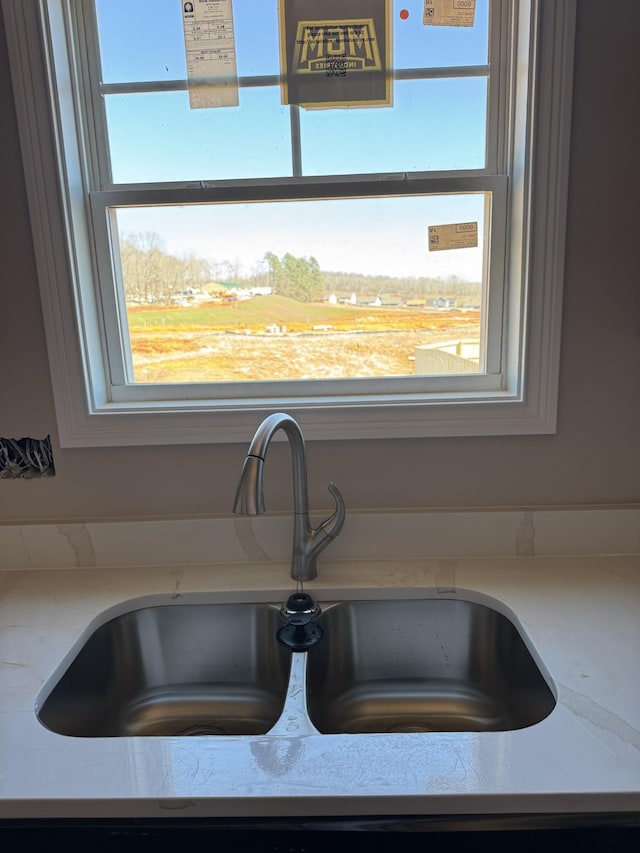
x,y
527,404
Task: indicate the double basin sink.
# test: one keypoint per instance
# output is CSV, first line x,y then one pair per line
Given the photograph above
x,y
411,665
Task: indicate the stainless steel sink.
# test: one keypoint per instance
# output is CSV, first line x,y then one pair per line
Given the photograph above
x,y
381,666
423,666
183,669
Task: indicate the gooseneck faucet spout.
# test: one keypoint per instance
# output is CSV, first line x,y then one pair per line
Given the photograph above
x,y
308,541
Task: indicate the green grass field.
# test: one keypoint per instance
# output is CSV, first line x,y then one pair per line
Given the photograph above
x,y
262,310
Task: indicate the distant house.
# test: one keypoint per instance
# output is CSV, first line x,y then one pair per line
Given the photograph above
x,y
240,291
375,300
344,298
214,289
442,302
190,296
391,301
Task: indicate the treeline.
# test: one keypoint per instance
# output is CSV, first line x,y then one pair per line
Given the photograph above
x,y
344,282
151,274
298,278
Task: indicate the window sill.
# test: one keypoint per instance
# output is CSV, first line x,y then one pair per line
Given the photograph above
x,y
121,425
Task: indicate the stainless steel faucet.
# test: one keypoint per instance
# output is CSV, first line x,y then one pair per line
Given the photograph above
x,y
308,541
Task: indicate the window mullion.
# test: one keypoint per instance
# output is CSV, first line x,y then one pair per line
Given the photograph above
x,y
89,99
137,87
377,186
497,96
296,144
110,294
494,299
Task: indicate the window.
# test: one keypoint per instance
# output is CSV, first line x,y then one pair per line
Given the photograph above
x,y
356,219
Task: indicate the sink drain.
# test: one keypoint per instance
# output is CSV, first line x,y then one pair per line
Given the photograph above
x,y
200,731
407,728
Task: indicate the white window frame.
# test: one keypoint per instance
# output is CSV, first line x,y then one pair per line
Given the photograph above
x,y
516,395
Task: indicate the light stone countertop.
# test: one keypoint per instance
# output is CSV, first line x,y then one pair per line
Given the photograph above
x,y
581,614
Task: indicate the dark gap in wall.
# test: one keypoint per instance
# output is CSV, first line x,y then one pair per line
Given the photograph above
x,y
26,458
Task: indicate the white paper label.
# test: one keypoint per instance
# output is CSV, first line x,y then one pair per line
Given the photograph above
x,y
211,53
460,235
449,13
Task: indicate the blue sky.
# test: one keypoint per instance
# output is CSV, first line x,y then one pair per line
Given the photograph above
x,y
434,124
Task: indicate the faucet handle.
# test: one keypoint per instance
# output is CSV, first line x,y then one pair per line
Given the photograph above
x,y
316,539
334,524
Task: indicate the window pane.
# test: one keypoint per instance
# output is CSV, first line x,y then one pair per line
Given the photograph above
x,y
343,288
418,46
433,125
144,40
156,137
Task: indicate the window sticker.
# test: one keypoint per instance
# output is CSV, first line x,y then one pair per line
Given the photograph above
x,y
335,53
211,53
460,235
449,13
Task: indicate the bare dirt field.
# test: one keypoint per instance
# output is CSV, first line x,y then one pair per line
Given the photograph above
x,y
188,354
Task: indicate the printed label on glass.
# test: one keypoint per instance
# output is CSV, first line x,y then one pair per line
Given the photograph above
x,y
449,13
211,53
460,235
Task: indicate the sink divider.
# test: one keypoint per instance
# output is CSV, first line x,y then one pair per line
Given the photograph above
x,y
294,719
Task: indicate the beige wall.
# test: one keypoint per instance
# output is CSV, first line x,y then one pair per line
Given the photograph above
x,y
593,459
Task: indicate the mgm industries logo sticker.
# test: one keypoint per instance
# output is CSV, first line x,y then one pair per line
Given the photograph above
x,y
330,60
336,48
